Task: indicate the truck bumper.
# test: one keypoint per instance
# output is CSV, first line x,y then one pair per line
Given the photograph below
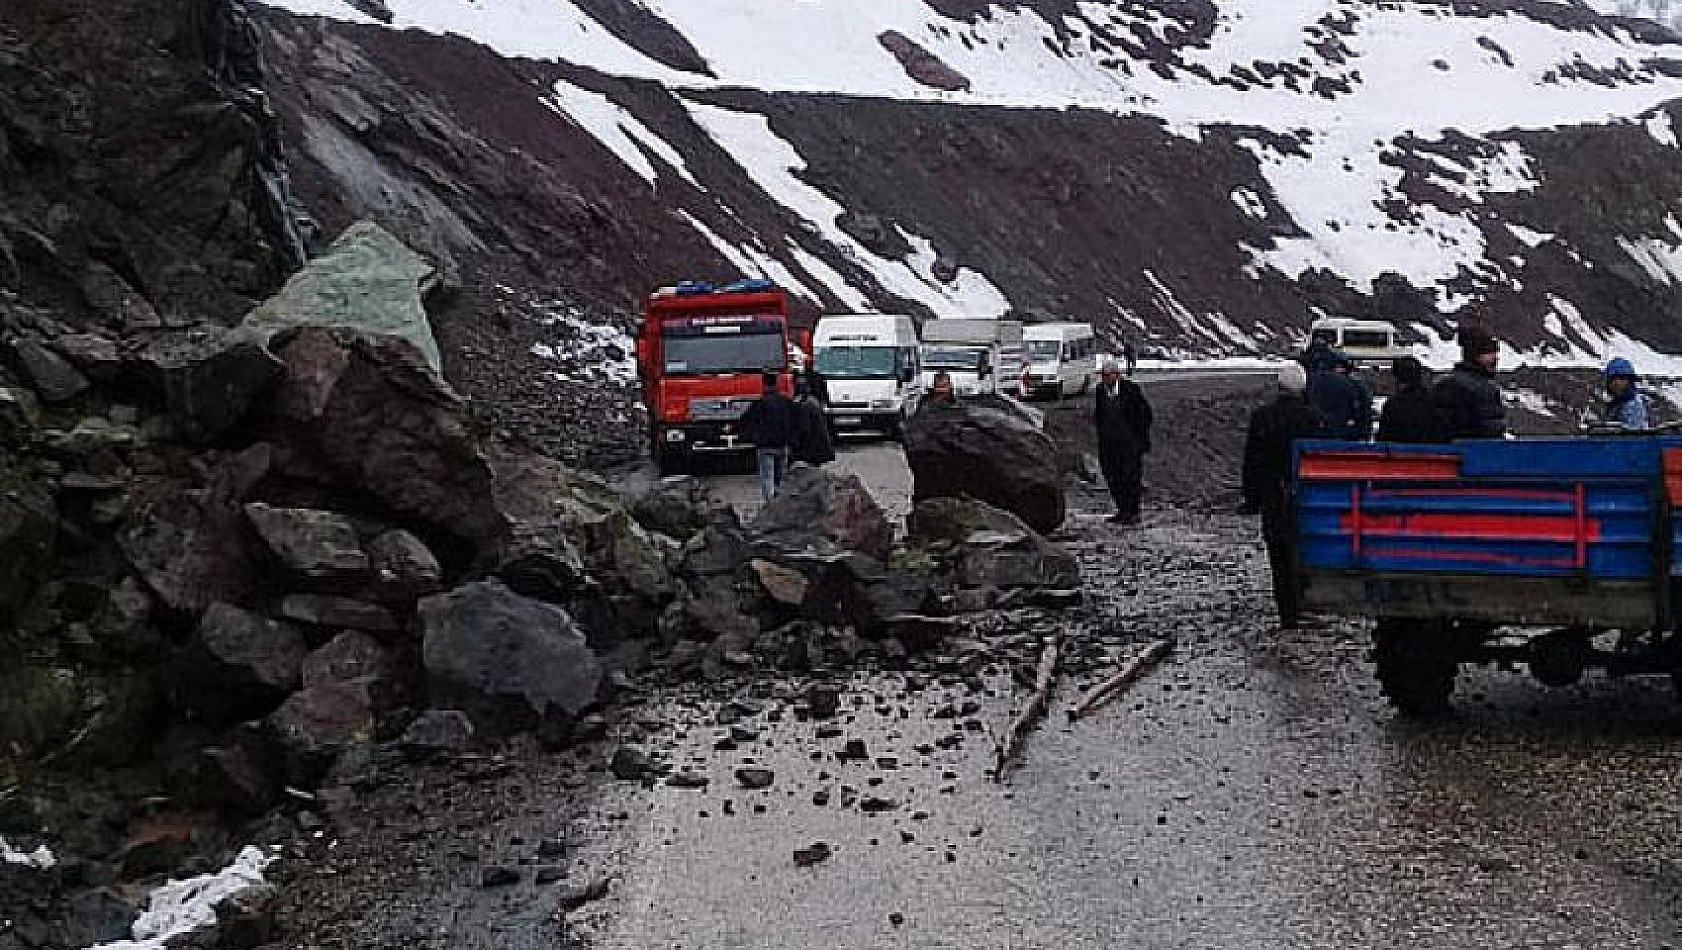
x,y
698,439
1516,601
848,420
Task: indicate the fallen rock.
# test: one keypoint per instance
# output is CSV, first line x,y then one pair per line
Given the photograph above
x,y
318,544
96,356
677,506
437,733
51,374
403,564
988,450
497,875
113,297
369,409
984,547
516,661
240,665
631,764
20,415
237,775
818,853
208,377
783,585
367,281
316,725
28,537
540,562
754,779
196,548
817,508
352,655
327,611
246,920
576,896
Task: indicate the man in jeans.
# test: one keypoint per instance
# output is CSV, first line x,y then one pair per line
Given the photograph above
x,y
771,424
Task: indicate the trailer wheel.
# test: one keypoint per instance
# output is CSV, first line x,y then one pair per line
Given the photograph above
x,y
1416,671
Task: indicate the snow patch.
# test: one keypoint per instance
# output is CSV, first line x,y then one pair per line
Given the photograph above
x,y
178,907
1660,128
1662,260
1250,203
593,352
42,858
617,129
1528,236
773,164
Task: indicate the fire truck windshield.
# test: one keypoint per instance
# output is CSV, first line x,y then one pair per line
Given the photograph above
x,y
750,350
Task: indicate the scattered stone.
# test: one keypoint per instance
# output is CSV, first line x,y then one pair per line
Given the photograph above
x,y
872,804
853,751
497,875
818,853
631,765
753,779
51,374
783,585
352,655
315,725
577,895
404,564
437,733
688,780
240,665
209,378
823,702
551,849
549,875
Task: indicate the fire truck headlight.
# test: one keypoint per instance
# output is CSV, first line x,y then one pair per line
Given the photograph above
x,y
674,435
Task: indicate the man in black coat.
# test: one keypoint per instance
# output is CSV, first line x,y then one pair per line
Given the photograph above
x,y
1468,402
1409,415
812,444
1274,428
1123,420
1342,401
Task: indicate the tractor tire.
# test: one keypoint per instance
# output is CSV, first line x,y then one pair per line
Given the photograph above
x,y
1416,670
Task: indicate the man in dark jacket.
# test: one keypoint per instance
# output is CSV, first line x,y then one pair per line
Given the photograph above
x,y
1409,415
1341,400
770,424
1468,402
1123,420
1274,428
811,437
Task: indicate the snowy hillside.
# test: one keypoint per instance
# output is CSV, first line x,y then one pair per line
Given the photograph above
x,y
1230,168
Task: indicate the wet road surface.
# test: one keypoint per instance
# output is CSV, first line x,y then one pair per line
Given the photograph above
x,y
1251,792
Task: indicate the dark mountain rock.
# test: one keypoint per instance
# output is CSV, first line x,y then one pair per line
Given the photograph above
x,y
403,564
818,508
317,724
53,376
207,378
326,610
922,65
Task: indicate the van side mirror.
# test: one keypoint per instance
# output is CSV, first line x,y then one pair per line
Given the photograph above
x,y
908,374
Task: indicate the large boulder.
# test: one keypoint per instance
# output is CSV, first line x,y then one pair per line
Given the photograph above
x,y
817,508
367,281
207,378
512,661
404,566
317,724
989,450
980,546
677,506
194,548
239,665
28,533
368,408
53,376
317,544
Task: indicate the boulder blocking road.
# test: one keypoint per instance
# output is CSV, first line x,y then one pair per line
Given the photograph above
x,y
1252,791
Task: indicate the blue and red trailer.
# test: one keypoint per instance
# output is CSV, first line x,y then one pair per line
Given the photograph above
x,y
1558,553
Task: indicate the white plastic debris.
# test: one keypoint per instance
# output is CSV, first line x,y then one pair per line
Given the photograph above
x,y
41,857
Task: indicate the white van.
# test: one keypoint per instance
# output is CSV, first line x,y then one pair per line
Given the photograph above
x,y
1364,341
982,356
869,369
1062,359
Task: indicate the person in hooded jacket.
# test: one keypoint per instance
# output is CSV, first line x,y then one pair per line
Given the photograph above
x,y
1626,405
769,425
1467,400
1409,415
1274,429
1343,402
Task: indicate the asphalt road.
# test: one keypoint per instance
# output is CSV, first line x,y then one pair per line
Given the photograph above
x,y
1254,792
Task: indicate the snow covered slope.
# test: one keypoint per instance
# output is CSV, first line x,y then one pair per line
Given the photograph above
x,y
1206,174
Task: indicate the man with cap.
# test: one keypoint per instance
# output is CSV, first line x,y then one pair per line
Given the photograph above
x,y
1123,420
1409,415
1625,404
1467,400
1274,428
771,424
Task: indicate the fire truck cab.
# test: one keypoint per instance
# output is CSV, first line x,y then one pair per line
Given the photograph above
x,y
701,353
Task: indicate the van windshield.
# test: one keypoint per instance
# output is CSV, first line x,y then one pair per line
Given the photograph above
x,y
1368,339
953,357
1044,351
855,362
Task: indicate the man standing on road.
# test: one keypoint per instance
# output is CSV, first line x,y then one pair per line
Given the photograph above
x,y
941,395
1123,420
811,437
770,424
1340,399
1131,355
1468,401
1408,415
1267,479
1625,404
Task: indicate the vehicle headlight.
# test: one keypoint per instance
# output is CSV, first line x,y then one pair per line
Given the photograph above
x,y
881,404
674,435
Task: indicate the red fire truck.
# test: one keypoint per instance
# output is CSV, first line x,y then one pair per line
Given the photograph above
x,y
701,353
